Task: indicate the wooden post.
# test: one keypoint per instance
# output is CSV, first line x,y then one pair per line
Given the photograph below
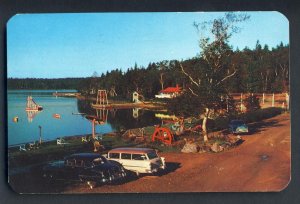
x,y
227,104
273,98
241,102
287,98
40,127
93,128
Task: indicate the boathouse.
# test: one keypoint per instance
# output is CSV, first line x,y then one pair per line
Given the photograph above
x,y
169,92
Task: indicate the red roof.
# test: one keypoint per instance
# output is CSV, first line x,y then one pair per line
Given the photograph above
x,y
171,90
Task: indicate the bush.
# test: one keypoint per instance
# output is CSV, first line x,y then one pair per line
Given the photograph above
x,y
184,105
261,114
252,103
221,123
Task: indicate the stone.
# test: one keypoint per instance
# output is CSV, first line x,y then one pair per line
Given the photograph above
x,y
216,148
190,148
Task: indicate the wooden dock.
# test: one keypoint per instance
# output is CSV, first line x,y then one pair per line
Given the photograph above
x,y
147,105
66,94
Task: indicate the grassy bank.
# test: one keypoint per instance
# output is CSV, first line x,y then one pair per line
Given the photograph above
x,y
49,151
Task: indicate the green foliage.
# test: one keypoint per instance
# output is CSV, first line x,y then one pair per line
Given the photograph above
x,y
46,84
252,103
221,123
184,105
261,114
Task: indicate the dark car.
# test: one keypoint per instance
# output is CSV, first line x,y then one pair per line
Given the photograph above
x,y
238,127
91,168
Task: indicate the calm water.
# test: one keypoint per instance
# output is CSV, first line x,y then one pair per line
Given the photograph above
x,y
27,129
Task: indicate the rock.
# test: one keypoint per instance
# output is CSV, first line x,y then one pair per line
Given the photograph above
x,y
216,148
190,148
234,140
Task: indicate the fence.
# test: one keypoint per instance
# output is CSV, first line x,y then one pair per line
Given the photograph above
x,y
266,100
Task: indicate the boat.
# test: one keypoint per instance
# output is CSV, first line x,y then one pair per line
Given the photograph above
x,y
56,115
78,113
16,119
32,105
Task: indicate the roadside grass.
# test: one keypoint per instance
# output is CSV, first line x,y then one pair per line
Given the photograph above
x,y
50,150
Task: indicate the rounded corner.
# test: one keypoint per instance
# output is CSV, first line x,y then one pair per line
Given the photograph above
x,y
283,15
11,18
286,185
12,188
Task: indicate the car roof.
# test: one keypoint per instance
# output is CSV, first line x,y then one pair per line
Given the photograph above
x,y
84,156
131,150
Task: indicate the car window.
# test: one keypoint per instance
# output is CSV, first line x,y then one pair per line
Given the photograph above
x,y
98,161
88,163
138,157
114,155
70,162
152,155
125,156
79,163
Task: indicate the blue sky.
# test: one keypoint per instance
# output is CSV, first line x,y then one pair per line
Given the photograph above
x,y
76,45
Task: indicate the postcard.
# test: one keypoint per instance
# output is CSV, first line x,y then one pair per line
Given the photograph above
x,y
148,102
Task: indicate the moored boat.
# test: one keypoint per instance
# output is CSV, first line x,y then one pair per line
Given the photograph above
x,y
56,115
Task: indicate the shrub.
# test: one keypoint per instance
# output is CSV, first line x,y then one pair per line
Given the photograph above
x,y
221,123
252,103
261,114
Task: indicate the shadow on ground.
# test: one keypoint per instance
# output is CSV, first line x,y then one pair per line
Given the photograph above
x,y
33,181
258,127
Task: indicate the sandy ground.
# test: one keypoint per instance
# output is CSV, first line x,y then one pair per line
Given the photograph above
x,y
260,163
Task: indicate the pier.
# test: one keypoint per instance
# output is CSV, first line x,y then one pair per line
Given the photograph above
x,y
66,94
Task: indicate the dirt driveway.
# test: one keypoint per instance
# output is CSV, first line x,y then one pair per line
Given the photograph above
x,y
261,163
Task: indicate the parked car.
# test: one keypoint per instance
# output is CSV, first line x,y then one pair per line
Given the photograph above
x,y
238,126
91,168
138,160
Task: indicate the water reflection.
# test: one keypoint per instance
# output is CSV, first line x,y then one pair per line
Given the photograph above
x,y
99,118
31,115
120,119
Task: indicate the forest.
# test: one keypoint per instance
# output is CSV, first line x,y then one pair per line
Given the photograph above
x,y
258,70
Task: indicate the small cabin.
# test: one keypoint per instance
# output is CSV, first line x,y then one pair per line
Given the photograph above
x,y
169,92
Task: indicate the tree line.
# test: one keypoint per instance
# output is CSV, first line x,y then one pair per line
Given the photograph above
x,y
258,70
45,84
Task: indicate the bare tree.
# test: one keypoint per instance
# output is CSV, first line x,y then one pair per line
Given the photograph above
x,y
208,83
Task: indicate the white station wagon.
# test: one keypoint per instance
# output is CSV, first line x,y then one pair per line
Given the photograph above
x,y
138,160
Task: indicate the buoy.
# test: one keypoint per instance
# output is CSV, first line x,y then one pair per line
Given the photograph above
x,y
16,119
56,115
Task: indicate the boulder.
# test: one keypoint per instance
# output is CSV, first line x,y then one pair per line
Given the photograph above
x,y
216,148
234,140
190,148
